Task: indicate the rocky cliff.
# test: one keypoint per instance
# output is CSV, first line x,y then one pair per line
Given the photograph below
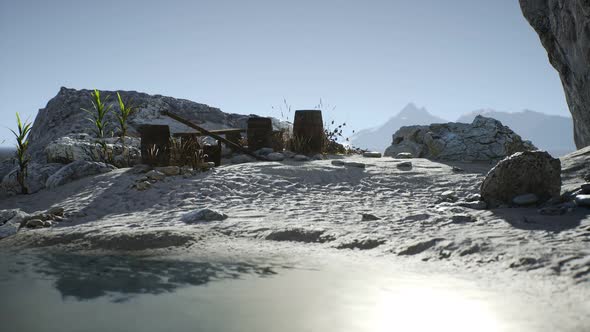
x,y
63,116
564,29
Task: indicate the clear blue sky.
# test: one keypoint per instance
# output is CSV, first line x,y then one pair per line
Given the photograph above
x,y
367,58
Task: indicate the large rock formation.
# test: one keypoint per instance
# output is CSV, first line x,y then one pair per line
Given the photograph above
x,y
63,116
485,139
564,29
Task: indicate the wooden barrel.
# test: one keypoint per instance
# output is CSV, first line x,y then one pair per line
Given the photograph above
x,y
308,130
259,133
155,145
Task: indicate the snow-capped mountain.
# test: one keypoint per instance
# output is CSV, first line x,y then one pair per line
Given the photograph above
x,y
553,133
379,138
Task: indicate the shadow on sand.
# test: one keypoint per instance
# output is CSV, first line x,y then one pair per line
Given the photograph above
x,y
122,277
530,219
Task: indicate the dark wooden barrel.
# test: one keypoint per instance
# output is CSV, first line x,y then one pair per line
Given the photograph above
x,y
259,133
155,145
308,128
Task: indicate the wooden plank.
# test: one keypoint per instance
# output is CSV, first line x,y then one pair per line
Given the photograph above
x,y
216,131
214,135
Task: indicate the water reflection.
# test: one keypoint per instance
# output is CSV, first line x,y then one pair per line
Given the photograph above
x,y
120,277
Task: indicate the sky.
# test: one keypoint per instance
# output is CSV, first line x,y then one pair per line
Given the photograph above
x,y
365,59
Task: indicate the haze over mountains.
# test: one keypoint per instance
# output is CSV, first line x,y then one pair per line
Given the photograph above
x,y
548,132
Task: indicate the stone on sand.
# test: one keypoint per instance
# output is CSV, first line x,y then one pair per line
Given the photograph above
x,y
583,200
525,199
203,215
155,175
169,170
372,154
275,156
404,155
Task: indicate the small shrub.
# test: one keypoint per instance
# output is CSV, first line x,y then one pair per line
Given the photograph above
x,y
187,152
22,145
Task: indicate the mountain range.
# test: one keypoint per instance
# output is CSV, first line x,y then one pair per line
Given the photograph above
x,y
552,133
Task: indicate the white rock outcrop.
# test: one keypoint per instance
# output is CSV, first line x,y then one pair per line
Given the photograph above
x,y
485,139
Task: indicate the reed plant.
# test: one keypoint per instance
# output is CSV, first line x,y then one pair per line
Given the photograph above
x,y
97,115
22,145
125,111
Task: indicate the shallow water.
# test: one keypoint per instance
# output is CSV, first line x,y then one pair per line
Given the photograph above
x,y
114,293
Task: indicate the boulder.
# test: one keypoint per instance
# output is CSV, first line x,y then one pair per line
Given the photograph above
x,y
372,154
77,170
275,156
84,147
530,172
562,26
485,139
37,175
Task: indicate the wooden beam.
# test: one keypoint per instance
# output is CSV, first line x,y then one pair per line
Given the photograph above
x,y
214,135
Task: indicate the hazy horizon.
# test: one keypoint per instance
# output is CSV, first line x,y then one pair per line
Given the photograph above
x,y
368,60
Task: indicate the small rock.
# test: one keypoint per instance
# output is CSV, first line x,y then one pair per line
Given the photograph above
x,y
35,223
143,185
369,217
585,189
526,199
583,200
155,175
289,154
300,157
463,219
169,170
475,205
456,169
364,244
558,210
203,215
56,211
406,165
275,156
338,163
264,151
318,156
404,155
372,154
141,168
241,159
355,164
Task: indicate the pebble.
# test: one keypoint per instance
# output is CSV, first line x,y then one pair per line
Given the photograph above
x,y
338,163
372,154
35,223
301,157
583,200
318,156
275,156
354,164
264,151
169,170
473,198
155,175
404,155
525,199
475,205
203,215
56,211
457,169
369,217
406,165
143,185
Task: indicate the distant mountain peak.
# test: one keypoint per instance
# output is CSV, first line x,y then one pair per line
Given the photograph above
x,y
411,110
